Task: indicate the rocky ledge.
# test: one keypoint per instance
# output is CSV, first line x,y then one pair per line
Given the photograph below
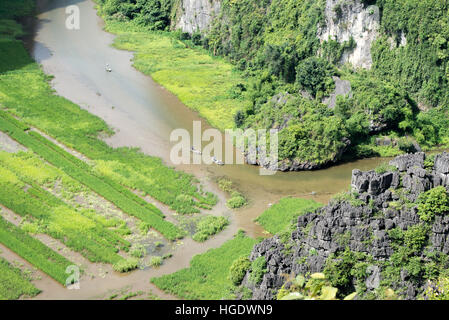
x,y
379,223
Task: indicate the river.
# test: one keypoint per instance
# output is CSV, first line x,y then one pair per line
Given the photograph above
x,y
143,114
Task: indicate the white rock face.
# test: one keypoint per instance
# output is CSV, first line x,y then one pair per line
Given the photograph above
x,y
349,18
196,15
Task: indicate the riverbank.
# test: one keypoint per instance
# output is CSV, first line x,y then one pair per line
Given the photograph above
x,y
204,83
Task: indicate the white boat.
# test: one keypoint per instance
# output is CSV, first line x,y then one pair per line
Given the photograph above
x,y
108,68
216,161
195,151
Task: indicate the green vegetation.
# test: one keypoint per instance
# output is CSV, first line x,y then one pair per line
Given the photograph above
x,y
14,283
280,215
238,270
421,67
207,276
55,116
433,202
16,8
126,265
79,170
237,200
156,261
385,167
34,251
209,226
203,83
258,269
438,290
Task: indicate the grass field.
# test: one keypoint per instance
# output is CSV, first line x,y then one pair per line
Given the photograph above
x,y
202,82
14,284
79,170
34,251
282,214
25,92
207,276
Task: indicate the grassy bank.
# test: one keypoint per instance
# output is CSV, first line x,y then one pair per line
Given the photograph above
x,y
14,283
202,82
286,211
60,183
207,276
34,251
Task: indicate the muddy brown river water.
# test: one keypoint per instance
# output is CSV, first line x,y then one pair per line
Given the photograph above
x,y
143,114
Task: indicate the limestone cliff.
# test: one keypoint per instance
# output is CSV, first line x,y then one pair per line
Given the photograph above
x,y
195,15
346,20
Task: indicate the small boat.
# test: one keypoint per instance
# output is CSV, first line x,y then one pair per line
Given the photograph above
x,y
192,149
216,161
108,68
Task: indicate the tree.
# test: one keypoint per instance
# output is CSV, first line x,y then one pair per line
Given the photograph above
x,y
312,73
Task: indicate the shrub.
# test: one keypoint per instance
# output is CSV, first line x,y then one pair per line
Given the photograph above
x,y
313,74
236,201
138,251
385,167
238,270
156,261
415,237
258,269
209,226
125,265
433,202
438,290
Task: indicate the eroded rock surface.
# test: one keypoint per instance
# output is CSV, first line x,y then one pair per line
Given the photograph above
x,y
362,224
352,19
196,15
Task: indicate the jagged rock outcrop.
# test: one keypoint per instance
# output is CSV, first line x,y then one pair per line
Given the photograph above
x,y
346,20
196,15
361,223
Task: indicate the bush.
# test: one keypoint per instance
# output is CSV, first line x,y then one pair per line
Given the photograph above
x,y
415,237
208,226
438,290
236,201
238,270
156,261
314,75
138,251
385,167
433,202
258,269
126,265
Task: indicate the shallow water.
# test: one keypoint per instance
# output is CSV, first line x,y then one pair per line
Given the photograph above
x,y
143,114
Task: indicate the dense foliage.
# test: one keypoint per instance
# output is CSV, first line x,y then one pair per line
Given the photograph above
x,y
154,14
238,270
